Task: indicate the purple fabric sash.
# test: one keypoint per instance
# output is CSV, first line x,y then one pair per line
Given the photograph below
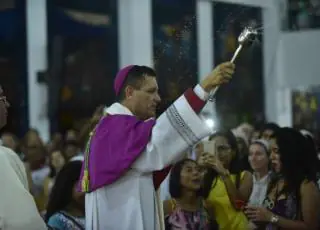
x,y
117,142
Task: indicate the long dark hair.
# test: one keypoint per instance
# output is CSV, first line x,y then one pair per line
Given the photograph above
x,y
269,126
61,193
311,144
297,162
235,164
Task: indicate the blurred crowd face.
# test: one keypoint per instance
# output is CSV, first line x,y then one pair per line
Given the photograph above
x,y
190,177
258,158
9,141
241,145
71,135
57,138
223,150
267,134
4,105
34,148
255,135
247,129
56,142
57,160
71,150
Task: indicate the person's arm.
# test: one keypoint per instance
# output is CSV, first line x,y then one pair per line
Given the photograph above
x,y
167,207
178,128
209,208
237,196
196,99
212,217
242,194
309,210
29,177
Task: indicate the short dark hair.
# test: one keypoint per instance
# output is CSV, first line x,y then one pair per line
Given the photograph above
x,y
135,78
270,126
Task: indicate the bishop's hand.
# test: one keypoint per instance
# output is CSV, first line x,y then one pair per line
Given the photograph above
x,y
220,75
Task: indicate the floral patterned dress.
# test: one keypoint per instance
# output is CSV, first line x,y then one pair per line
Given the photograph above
x,y
189,220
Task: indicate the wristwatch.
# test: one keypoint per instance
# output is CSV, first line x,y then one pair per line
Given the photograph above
x,y
274,219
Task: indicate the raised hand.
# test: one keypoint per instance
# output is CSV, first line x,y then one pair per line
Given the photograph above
x,y
203,159
258,214
214,162
220,75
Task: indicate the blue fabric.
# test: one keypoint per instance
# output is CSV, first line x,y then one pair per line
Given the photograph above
x,y
62,221
8,25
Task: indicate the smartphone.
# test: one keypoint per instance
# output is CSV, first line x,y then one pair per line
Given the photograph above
x,y
208,147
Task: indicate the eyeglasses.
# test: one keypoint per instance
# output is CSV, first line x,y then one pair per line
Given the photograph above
x,y
223,148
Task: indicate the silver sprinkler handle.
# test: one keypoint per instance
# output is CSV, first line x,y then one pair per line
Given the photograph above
x,y
243,38
235,55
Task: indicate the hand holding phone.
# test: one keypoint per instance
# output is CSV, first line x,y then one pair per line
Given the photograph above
x,y
208,147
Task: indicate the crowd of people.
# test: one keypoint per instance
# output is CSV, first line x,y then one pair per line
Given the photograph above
x,y
245,178
266,178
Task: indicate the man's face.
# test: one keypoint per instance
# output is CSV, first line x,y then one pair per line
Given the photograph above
x,y
146,99
3,109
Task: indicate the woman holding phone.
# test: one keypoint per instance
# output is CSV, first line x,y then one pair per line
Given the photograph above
x,y
226,187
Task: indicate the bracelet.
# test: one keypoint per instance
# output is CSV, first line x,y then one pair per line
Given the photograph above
x,y
225,175
274,219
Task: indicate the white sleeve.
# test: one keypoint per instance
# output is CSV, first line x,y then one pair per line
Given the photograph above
x,y
17,207
178,128
203,95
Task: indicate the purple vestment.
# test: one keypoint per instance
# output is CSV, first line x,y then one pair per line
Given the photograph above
x,y
117,142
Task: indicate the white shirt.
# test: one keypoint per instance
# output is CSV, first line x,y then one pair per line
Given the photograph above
x,y
259,190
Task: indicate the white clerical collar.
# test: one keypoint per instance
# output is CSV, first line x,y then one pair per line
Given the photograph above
x,y
117,108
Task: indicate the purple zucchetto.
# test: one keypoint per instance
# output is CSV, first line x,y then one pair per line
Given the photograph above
x,y
121,78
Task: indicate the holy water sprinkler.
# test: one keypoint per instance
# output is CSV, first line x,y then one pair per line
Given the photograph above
x,y
246,35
